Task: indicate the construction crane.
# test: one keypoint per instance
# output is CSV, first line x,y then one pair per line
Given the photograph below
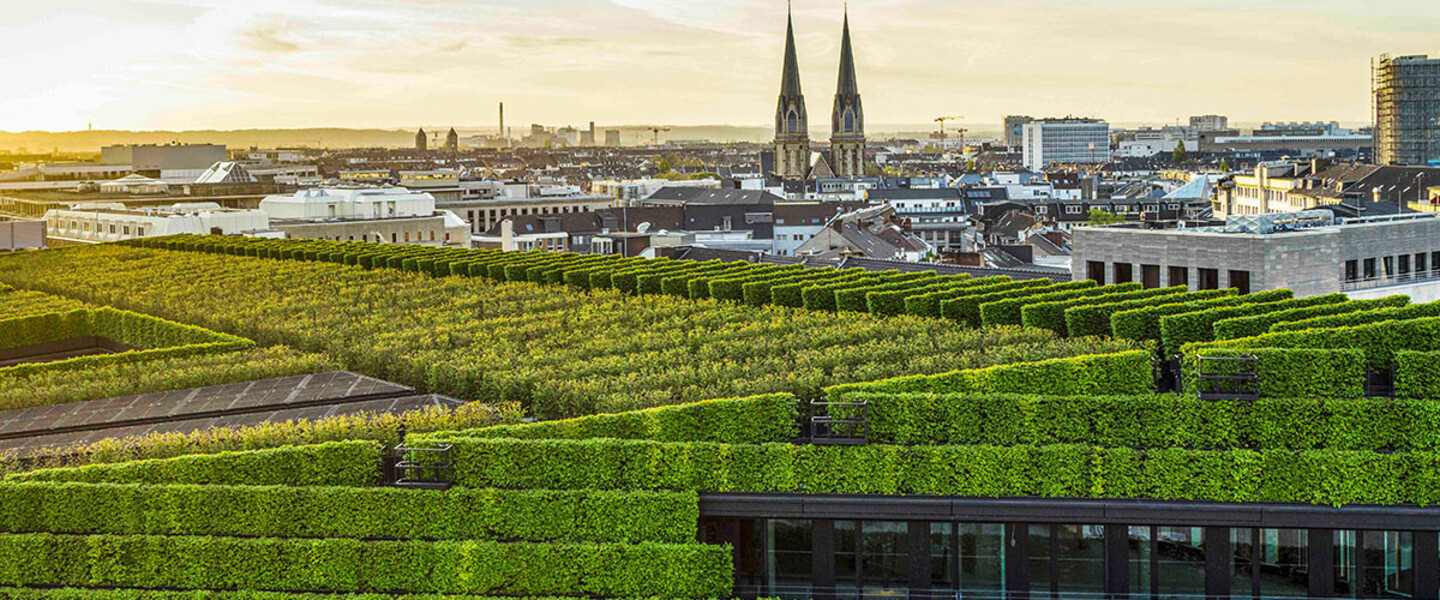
x,y
941,121
656,131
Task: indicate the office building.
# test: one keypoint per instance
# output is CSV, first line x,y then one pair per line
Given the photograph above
x,y
1209,123
1407,110
1015,130
1065,141
151,159
113,223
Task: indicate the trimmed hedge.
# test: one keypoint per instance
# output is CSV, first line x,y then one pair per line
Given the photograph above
x,y
1417,374
1066,471
1051,315
854,299
155,338
1367,317
1154,421
348,512
1199,326
966,307
354,463
1081,321
11,593
1010,312
771,418
1242,327
1143,324
340,565
1288,373
894,303
824,296
1127,372
1378,341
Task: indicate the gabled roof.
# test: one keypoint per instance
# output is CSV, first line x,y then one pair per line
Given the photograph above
x,y
692,196
226,172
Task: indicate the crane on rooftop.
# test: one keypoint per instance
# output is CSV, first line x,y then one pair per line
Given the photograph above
x,y
656,131
942,120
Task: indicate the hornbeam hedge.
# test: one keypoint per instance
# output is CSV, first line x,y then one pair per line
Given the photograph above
x,y
1332,477
1010,312
1120,373
15,304
1143,324
1379,341
755,420
966,307
893,302
355,463
1283,373
1095,319
1051,315
1154,421
561,353
929,304
1417,374
1242,327
154,339
348,512
1364,317
343,565
1199,326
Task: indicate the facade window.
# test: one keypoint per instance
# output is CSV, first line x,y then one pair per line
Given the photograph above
x,y
1352,270
1067,560
1420,267
1404,264
1370,268
968,557
1209,279
139,231
1150,276
407,237
872,558
1389,262
1073,209
1240,280
392,238
1374,564
1167,561
1269,563
1095,271
1124,273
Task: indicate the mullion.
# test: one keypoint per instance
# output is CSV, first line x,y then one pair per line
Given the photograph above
x,y
1154,562
1255,554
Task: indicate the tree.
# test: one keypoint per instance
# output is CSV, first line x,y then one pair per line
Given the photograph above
x,y
1104,217
1180,156
663,167
1224,166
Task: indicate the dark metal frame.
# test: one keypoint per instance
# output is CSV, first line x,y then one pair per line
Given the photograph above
x,y
436,474
1241,383
826,430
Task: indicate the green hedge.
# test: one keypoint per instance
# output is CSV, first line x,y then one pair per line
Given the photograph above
x,y
1008,312
1178,330
354,463
1417,374
761,293
340,565
893,302
10,593
1065,471
1285,373
854,299
1154,421
1367,317
1051,315
348,512
155,338
825,296
1378,341
1127,372
966,307
770,418
1095,320
1251,326
1143,324
929,305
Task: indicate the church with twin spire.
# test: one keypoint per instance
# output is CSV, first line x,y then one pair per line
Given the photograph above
x,y
793,156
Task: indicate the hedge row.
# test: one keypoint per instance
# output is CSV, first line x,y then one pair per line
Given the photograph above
x,y
772,418
762,293
966,308
1378,341
858,299
823,296
354,463
1127,372
155,339
1051,315
11,593
1366,317
348,512
16,303
1242,327
341,565
1178,330
1067,471
1086,320
929,304
1417,374
893,302
1154,421
1282,373
1143,324
1010,312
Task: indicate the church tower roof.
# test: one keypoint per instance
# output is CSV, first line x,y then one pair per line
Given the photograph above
x,y
790,79
847,85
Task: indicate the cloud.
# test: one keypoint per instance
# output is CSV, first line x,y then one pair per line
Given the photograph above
x,y
269,35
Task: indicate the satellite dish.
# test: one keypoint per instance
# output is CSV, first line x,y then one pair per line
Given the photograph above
x,y
643,227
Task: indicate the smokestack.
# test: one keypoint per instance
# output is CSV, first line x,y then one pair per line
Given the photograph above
x,y
502,124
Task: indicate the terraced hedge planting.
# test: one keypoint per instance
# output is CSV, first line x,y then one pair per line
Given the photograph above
x,y
1143,324
1417,374
1154,421
348,512
1241,327
559,352
755,420
1283,373
353,463
929,304
966,308
1009,312
1364,317
1120,373
1051,315
1199,326
16,304
1379,341
1067,471
1095,319
154,338
343,565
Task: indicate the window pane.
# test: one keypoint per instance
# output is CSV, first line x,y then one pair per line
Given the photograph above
x,y
789,562
1284,563
943,563
885,562
1242,562
845,559
1080,560
1039,558
1389,564
1140,538
1181,561
982,559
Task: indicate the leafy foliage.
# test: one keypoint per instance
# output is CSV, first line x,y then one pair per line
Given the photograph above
x,y
1143,324
1241,327
754,420
1120,373
154,338
354,463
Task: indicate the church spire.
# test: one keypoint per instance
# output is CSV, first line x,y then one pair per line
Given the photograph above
x,y
790,79
847,85
792,125
847,122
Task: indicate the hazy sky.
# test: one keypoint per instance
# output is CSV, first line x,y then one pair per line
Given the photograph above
x,y
192,64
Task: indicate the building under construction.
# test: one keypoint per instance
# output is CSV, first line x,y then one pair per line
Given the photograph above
x,y
1407,110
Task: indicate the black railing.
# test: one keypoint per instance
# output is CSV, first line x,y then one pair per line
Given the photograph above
x,y
843,423
1227,377
423,468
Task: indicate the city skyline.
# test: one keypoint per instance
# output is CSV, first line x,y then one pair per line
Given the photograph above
x,y
205,64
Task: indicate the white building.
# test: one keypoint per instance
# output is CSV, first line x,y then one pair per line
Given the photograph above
x,y
113,222
1066,141
349,203
135,183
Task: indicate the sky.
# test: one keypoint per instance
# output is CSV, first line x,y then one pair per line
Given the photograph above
x,y
223,64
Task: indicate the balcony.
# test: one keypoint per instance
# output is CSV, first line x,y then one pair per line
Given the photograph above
x,y
1370,283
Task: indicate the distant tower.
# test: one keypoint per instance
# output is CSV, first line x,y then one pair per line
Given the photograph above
x,y
847,124
504,135
452,140
420,142
792,126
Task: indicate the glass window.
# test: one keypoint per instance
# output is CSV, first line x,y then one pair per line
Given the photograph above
x,y
1404,264
880,567
969,558
1352,270
788,562
1180,561
1080,560
1369,268
1374,564
1420,263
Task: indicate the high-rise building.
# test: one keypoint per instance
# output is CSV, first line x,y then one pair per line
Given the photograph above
x,y
421,143
847,122
1407,110
1207,123
1066,141
792,125
1015,130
